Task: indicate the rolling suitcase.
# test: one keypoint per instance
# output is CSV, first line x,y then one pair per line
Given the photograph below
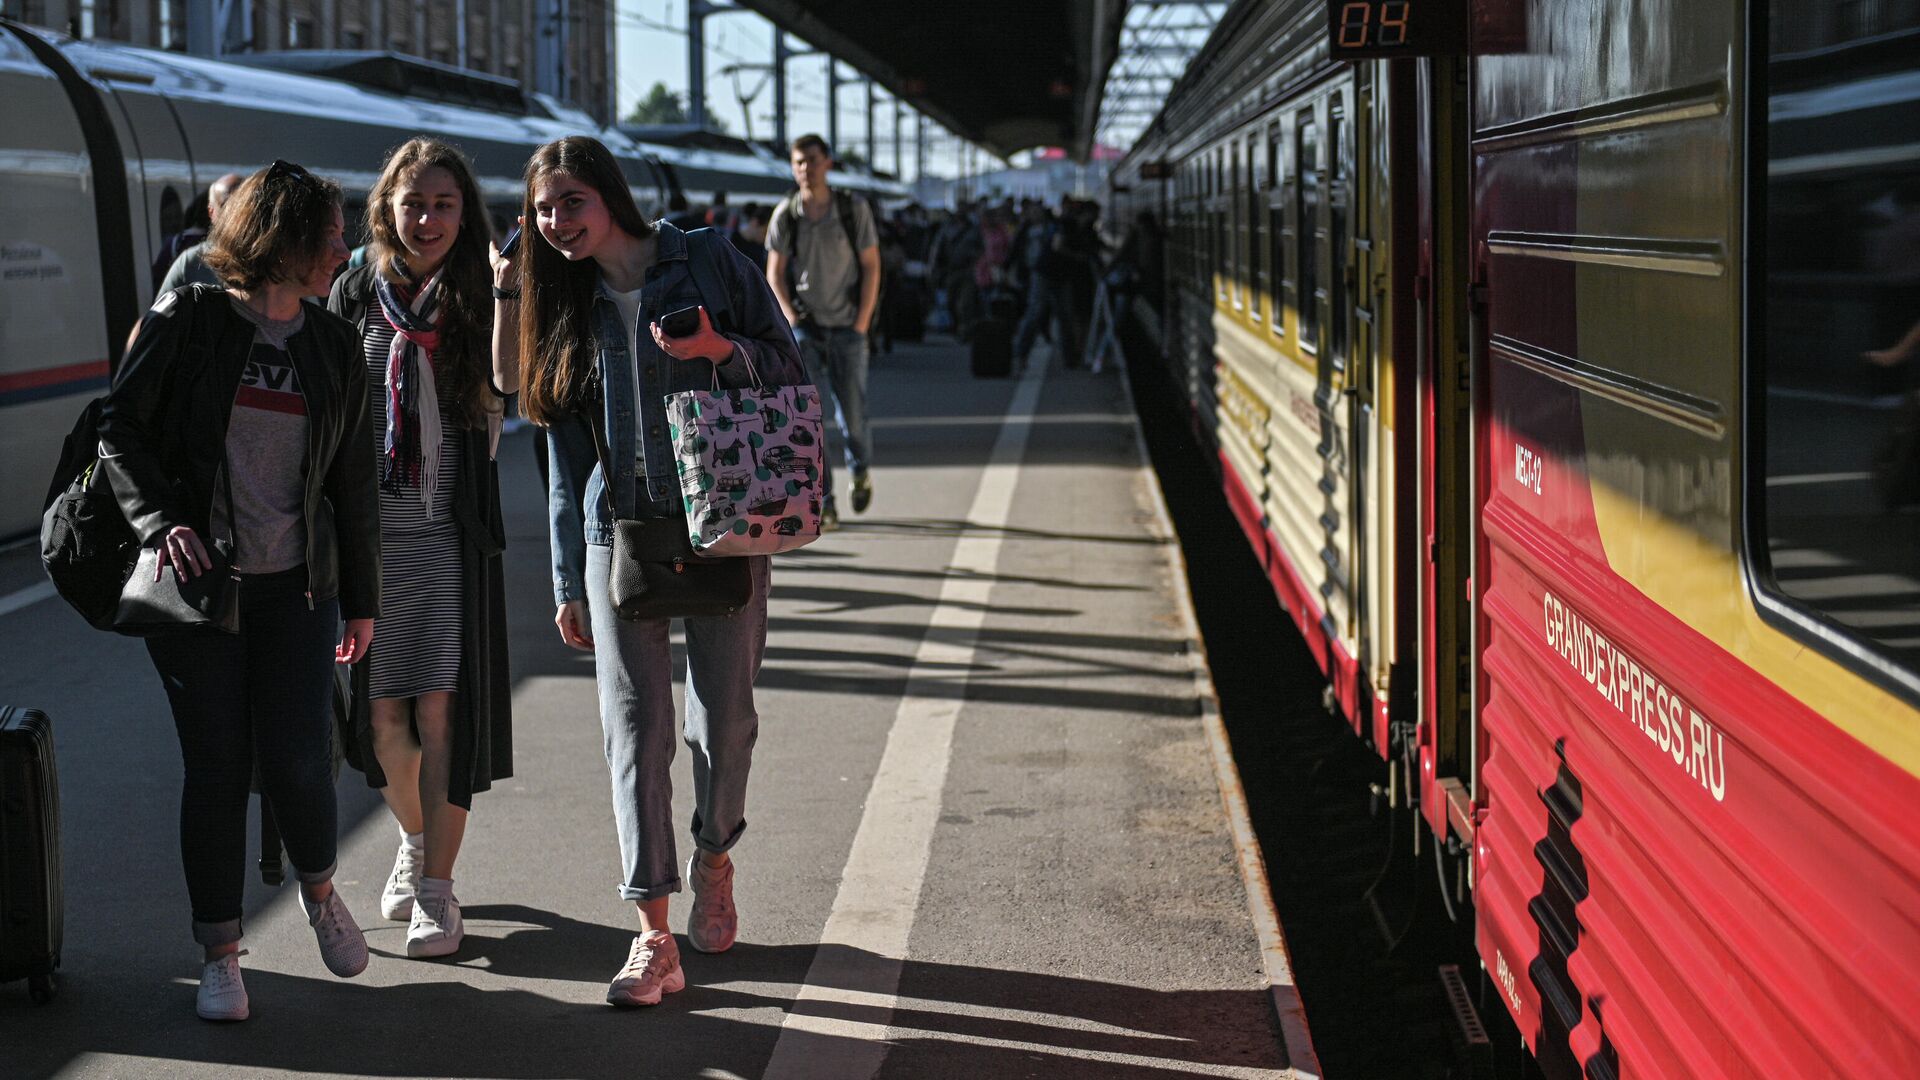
x,y
907,310
30,899
992,348
993,334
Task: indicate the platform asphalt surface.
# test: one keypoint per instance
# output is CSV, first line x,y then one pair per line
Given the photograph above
x,y
981,772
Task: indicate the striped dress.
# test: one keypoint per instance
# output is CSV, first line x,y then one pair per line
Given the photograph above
x,y
417,638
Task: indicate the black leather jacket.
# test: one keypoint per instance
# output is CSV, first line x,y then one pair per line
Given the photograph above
x,y
163,434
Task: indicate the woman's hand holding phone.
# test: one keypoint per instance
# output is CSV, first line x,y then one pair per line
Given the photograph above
x,y
703,343
505,273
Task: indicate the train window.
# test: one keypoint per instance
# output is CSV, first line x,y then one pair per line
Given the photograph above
x,y
1256,234
1337,150
170,19
1835,350
1238,270
1276,229
1217,261
1306,160
354,212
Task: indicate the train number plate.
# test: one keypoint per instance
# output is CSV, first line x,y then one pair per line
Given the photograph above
x,y
1370,29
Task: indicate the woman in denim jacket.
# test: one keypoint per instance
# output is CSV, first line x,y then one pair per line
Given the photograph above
x,y
580,333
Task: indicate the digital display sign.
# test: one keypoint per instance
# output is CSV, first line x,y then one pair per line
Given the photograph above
x,y
1383,29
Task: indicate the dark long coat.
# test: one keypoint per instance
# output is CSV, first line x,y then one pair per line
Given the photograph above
x,y
483,707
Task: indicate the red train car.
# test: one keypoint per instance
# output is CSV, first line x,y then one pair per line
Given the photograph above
x,y
1566,384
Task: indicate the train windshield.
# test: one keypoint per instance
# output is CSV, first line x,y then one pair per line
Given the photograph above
x,y
1840,334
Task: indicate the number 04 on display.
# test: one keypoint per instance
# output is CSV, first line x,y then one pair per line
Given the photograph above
x,y
1382,29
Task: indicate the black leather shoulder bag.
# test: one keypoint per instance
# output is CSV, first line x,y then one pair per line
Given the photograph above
x,y
155,600
656,574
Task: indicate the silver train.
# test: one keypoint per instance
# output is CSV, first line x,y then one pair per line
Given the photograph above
x,y
104,144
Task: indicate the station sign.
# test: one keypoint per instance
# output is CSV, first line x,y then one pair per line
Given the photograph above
x,y
1384,29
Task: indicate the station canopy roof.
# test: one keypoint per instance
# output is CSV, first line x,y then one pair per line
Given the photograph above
x,y
1008,75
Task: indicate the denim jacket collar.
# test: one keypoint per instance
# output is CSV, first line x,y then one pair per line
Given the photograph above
x,y
669,245
645,482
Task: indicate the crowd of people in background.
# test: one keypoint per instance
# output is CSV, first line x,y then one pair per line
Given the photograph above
x,y
946,269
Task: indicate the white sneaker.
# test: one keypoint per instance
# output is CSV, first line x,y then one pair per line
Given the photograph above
x,y
222,995
437,929
396,902
343,948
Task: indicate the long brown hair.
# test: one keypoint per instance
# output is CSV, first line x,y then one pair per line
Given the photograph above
x,y
272,228
466,301
556,295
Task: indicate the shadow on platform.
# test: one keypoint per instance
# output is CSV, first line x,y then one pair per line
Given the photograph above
x,y
950,1014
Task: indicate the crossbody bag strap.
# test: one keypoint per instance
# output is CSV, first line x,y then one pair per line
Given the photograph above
x,y
708,279
596,423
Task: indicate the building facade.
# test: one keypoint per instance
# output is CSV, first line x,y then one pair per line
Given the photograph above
x,y
497,37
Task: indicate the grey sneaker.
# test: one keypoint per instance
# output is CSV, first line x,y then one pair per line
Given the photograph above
x,y
396,901
343,948
437,929
652,969
222,995
714,923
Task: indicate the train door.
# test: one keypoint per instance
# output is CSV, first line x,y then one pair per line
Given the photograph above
x,y
158,160
1329,218
1370,391
55,348
1444,297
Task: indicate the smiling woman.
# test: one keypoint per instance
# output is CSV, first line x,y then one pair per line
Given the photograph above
x,y
431,708
592,275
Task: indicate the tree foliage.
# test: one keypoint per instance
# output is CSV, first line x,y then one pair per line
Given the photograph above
x,y
664,106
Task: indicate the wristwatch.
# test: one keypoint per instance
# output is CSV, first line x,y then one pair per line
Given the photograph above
x,y
505,294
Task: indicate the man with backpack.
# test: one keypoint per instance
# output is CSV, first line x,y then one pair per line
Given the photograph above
x,y
823,263
1049,288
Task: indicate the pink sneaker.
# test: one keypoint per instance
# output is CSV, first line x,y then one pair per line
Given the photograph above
x,y
652,969
713,923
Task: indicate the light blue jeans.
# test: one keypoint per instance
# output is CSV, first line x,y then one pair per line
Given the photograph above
x,y
633,669
836,359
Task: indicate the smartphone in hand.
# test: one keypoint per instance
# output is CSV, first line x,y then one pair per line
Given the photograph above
x,y
512,241
682,323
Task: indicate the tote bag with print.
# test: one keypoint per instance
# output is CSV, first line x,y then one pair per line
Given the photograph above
x,y
749,462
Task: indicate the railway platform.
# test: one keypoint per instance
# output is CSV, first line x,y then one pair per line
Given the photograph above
x,y
986,834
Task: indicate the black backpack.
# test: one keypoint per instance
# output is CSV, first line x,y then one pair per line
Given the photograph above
x,y
85,542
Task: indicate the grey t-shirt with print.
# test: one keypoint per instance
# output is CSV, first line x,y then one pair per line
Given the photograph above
x,y
267,453
189,267
827,270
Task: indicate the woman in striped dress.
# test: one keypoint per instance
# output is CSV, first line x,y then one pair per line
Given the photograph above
x,y
424,308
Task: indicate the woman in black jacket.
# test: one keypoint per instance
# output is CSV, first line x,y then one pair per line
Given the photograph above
x,y
258,395
431,702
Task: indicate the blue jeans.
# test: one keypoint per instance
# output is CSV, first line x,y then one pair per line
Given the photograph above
x,y
264,694
632,668
1048,299
836,359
